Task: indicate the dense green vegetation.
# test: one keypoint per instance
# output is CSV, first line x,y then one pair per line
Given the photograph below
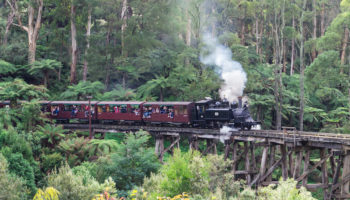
x,y
150,50
295,54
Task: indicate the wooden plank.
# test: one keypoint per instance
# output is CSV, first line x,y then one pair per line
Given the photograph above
x,y
336,177
272,168
298,160
252,155
306,165
284,162
323,153
227,148
271,160
234,157
247,162
169,147
310,170
244,172
346,172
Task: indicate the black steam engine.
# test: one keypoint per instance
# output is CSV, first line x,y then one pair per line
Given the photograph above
x,y
210,113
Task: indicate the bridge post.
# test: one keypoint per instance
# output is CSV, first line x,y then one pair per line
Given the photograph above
x,y
323,153
193,142
271,160
284,162
234,158
247,162
306,165
159,147
346,174
227,148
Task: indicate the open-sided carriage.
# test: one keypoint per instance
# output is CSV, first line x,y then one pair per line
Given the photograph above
x,y
120,111
177,113
63,111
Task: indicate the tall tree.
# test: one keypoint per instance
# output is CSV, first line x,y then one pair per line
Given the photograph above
x,y
302,68
32,27
74,45
88,34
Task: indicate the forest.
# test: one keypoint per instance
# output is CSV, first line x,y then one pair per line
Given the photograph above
x,y
294,54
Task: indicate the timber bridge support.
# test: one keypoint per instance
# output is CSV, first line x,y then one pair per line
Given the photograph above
x,y
321,158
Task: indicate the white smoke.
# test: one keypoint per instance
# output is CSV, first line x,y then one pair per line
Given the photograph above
x,y
231,71
225,133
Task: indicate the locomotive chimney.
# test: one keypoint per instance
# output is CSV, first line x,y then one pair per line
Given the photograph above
x,y
240,102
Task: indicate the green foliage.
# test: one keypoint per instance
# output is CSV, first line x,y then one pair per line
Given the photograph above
x,y
79,185
284,190
83,89
198,176
76,150
11,187
119,94
22,168
51,135
50,162
44,67
131,162
6,68
20,90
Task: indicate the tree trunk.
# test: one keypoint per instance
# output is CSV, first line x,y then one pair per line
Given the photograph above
x,y
257,34
301,111
344,46
188,34
33,28
123,28
73,66
88,33
323,29
10,18
314,34
293,50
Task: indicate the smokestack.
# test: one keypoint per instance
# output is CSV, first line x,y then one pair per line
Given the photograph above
x,y
240,102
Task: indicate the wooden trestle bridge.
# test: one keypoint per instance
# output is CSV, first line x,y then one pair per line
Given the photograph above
x,y
256,154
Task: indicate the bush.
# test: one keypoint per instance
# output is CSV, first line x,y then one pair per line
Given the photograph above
x,y
79,185
11,187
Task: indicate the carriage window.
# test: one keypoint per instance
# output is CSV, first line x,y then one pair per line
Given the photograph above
x,y
68,107
114,108
147,111
134,108
123,109
182,110
102,108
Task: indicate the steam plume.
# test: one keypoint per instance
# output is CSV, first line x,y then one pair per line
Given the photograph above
x,y
231,71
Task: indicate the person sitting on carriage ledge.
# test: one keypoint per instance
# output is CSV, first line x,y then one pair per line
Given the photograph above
x,y
171,113
74,111
55,111
86,111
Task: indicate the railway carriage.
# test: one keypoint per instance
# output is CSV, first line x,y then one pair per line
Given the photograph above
x,y
120,111
177,113
3,104
62,111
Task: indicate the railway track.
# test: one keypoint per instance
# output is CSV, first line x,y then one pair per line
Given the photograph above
x,y
285,135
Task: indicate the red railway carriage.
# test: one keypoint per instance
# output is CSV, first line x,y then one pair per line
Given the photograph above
x,y
128,111
65,110
3,104
45,106
167,112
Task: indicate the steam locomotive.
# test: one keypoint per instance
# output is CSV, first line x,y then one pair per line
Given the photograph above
x,y
204,114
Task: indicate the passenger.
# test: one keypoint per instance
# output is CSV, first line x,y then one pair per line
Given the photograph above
x,y
136,111
116,109
86,111
171,113
72,114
